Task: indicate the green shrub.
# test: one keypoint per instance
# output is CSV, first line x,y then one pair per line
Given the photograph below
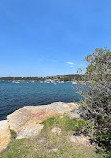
x,y
13,134
96,105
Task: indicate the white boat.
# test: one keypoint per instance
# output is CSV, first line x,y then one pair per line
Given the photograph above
x,y
48,81
74,82
15,82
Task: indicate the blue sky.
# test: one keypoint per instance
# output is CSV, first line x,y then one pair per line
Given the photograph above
x,y
51,37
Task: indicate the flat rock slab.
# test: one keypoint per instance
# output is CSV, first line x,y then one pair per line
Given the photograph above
x,y
80,140
30,131
5,135
56,130
73,114
21,119
53,150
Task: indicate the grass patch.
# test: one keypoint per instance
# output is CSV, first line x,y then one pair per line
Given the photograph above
x,y
65,123
44,145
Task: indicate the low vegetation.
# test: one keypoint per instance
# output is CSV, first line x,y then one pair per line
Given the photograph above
x,y
51,145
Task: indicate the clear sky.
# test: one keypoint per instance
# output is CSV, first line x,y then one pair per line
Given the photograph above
x,y
50,37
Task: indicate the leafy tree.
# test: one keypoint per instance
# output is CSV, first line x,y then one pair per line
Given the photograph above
x,y
96,105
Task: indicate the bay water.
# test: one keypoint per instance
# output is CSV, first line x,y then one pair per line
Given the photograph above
x,y
27,93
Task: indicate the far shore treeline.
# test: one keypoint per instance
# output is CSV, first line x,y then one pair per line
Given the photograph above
x,y
64,78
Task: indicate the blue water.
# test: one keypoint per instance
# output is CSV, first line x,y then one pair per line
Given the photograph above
x,y
16,95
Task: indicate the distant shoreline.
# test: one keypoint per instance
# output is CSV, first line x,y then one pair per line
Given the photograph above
x,y
75,77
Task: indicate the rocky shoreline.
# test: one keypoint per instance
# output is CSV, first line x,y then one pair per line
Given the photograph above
x,y
27,121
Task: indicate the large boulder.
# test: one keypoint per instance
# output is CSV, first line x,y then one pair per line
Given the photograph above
x,y
5,135
28,116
